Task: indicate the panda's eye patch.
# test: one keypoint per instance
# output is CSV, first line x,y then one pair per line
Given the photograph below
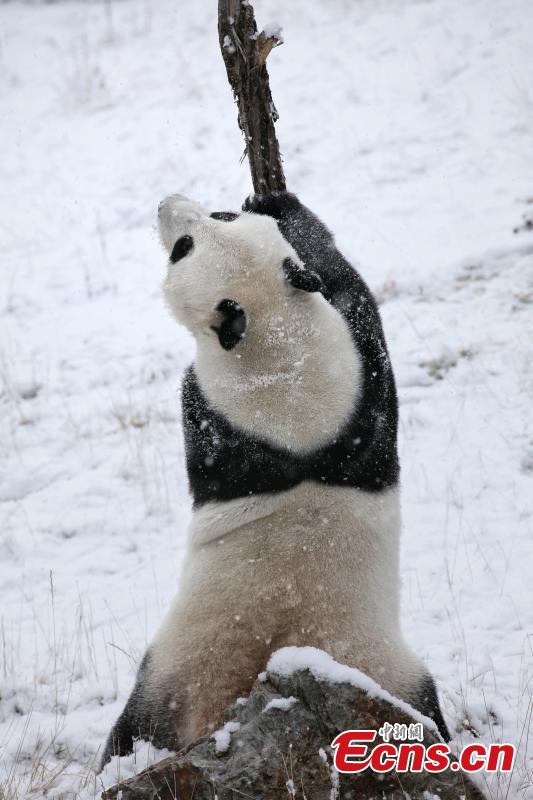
x,y
183,246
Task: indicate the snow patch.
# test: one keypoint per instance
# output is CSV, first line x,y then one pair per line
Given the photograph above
x,y
323,667
228,45
273,30
121,768
284,703
222,737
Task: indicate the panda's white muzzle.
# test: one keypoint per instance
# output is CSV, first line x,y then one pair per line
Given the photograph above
x,y
177,217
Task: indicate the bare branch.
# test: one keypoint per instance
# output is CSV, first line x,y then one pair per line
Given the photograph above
x,y
245,52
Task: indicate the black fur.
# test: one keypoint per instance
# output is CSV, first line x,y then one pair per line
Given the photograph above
x,y
427,702
233,326
224,463
225,216
145,716
304,279
182,247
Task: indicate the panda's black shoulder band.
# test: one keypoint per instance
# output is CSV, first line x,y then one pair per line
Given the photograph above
x,y
301,278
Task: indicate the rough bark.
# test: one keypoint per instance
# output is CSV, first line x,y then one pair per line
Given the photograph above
x,y
284,752
245,52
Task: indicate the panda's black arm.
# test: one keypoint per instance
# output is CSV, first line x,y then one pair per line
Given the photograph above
x,y
311,239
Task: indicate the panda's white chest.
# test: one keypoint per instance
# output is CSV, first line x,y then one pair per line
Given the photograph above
x,y
293,381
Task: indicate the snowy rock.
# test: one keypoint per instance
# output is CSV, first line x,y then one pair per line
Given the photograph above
x,y
275,755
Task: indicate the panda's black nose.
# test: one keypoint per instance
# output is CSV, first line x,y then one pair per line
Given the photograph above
x,y
233,326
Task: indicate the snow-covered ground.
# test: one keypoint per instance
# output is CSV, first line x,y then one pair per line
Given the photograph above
x,y
406,125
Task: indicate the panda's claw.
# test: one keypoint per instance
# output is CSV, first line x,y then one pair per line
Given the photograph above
x,y
253,203
300,278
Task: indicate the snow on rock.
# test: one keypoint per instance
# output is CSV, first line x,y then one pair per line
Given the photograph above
x,y
222,737
288,660
282,703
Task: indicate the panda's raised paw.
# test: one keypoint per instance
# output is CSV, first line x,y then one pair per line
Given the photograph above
x,y
305,279
275,204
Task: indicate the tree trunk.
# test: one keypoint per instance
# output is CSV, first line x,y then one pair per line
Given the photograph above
x,y
245,52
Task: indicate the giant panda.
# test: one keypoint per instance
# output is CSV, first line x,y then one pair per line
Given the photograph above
x,y
290,423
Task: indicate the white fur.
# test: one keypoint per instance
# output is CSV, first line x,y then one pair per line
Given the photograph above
x,y
314,566
295,378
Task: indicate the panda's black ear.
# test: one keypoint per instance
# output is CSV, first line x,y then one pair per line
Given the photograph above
x,y
233,326
301,278
225,216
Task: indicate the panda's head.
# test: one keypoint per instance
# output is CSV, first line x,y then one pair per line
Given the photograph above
x,y
226,270
269,344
